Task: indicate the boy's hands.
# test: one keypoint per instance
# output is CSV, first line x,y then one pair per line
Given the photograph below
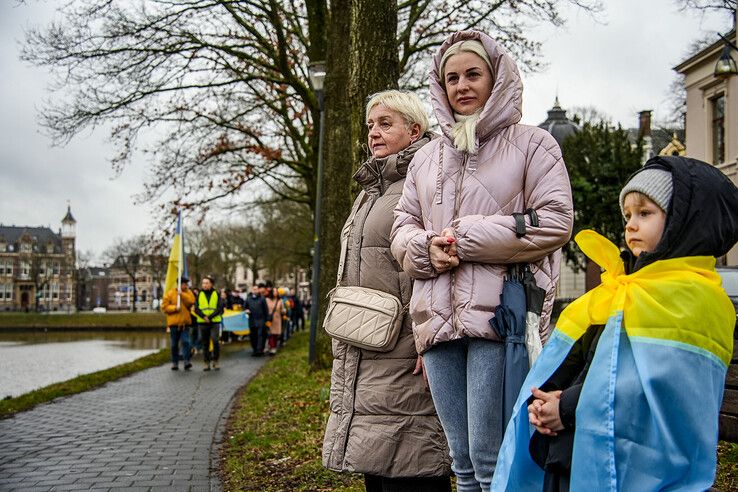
x,y
543,413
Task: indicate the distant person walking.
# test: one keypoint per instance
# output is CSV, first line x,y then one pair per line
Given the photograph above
x,y
208,312
179,321
298,315
274,319
258,311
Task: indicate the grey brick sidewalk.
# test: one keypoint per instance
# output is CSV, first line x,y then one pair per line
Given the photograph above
x,y
155,430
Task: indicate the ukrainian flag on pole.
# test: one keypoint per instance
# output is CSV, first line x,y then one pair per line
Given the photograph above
x,y
177,262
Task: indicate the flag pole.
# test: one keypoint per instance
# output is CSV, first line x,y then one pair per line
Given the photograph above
x,y
179,261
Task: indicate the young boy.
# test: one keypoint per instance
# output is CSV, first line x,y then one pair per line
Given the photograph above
x,y
626,393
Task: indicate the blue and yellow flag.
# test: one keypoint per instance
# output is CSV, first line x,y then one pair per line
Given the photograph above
x,y
647,417
177,267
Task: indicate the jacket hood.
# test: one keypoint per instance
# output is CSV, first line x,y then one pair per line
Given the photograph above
x,y
503,108
703,217
376,174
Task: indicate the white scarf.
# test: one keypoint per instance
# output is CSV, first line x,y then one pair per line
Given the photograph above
x,y
464,131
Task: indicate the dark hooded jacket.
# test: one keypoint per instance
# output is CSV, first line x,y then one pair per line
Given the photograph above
x,y
702,220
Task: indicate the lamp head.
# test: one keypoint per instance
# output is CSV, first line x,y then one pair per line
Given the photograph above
x,y
316,71
725,66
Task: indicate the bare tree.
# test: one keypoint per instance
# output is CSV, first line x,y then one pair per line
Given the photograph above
x,y
129,255
224,82
41,272
708,5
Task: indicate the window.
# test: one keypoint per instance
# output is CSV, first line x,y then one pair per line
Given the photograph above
x,y
26,247
6,292
25,268
718,130
55,291
56,268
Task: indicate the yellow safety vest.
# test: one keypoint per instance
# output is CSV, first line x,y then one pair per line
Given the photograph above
x,y
207,306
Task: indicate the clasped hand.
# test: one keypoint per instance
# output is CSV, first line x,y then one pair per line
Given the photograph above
x,y
442,251
544,414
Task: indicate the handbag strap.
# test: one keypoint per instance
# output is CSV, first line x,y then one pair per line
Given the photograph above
x,y
345,233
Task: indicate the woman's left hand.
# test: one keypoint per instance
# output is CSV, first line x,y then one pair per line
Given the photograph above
x,y
420,368
450,234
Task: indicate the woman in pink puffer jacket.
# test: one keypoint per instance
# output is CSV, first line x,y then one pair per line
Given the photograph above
x,y
454,233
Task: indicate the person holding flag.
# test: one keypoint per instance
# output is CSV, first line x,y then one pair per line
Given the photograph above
x,y
178,300
176,305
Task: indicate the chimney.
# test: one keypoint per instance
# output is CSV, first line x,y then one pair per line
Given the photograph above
x,y
644,133
644,123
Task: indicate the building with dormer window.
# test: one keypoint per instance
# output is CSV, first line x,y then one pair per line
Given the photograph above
x,y
37,267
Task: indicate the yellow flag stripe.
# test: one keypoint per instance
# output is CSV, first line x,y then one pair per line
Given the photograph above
x,y
679,300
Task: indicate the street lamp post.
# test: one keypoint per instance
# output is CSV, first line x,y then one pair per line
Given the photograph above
x,y
317,77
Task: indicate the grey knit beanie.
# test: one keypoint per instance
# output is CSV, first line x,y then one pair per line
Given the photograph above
x,y
654,183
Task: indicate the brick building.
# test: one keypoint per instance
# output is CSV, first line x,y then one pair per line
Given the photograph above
x,y
37,267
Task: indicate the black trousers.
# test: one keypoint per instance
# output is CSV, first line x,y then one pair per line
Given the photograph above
x,y
374,483
209,331
258,338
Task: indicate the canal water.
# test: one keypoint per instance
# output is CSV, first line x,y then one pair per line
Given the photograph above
x,y
32,360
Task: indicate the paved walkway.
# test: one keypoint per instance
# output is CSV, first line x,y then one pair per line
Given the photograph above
x,y
155,430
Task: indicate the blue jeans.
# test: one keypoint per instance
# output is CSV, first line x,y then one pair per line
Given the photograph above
x,y
465,378
176,334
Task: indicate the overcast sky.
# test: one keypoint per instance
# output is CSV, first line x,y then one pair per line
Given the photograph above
x,y
620,66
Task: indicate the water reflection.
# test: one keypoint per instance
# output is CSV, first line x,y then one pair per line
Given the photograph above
x,y
31,360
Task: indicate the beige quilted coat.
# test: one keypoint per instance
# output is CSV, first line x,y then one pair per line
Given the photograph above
x,y
382,419
516,167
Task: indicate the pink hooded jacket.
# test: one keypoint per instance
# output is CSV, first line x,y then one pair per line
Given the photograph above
x,y
515,168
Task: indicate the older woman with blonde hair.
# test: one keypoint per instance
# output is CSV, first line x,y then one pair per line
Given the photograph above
x,y
382,420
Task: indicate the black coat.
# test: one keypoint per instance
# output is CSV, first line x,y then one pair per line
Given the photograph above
x,y
258,310
702,220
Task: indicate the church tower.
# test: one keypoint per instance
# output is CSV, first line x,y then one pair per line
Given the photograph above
x,y
68,239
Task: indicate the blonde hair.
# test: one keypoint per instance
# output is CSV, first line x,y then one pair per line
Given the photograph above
x,y
405,103
469,46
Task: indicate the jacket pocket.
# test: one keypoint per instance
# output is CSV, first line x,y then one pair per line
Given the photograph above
x,y
486,285
421,302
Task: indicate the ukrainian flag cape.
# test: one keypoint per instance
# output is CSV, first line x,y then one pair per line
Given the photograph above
x,y
647,417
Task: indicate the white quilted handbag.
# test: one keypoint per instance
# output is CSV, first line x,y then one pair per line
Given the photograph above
x,y
366,318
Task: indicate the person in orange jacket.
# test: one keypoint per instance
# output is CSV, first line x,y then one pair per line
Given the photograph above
x,y
179,320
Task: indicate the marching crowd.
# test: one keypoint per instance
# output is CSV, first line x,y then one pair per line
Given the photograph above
x,y
195,319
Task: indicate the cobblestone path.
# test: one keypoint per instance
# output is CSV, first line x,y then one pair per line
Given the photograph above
x,y
155,430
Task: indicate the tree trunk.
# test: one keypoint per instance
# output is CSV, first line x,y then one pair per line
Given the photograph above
x,y
362,59
374,63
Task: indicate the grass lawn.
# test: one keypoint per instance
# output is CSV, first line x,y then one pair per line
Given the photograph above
x,y
9,406
275,433
81,320
727,474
